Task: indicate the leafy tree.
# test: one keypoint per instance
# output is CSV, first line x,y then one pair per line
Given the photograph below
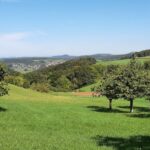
x,y
129,84
108,89
81,76
3,85
15,80
63,83
100,69
147,65
147,89
133,82
40,87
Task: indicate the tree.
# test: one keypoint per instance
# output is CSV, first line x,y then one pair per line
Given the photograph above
x,y
147,65
15,80
108,88
129,84
81,76
63,83
147,91
3,85
40,87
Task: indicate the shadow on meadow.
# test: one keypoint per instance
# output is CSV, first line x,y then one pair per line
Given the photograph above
x,y
139,115
137,109
118,143
2,109
105,109
144,112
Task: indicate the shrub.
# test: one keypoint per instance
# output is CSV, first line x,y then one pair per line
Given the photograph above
x,y
40,87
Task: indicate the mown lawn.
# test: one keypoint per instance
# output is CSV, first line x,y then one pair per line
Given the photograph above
x,y
34,121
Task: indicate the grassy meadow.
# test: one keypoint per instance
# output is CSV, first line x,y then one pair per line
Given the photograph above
x,y
61,121
122,61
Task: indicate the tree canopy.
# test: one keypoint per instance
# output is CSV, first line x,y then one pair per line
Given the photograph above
x,y
130,83
3,85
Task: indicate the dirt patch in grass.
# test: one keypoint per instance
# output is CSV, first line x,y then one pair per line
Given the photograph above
x,y
83,93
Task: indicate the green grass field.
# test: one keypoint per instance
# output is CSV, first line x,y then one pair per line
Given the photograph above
x,y
88,87
123,61
35,121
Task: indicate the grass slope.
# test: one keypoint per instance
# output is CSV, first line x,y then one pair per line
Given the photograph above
x,y
122,61
87,88
35,121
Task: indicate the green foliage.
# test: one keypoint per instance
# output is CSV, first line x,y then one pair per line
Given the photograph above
x,y
15,80
3,85
143,53
36,77
81,76
68,76
99,69
3,88
129,83
40,87
112,70
2,73
147,65
26,84
63,83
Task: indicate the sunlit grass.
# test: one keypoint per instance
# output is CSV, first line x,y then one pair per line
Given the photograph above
x,y
122,61
58,121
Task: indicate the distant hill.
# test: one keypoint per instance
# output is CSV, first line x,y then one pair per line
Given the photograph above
x,y
96,56
143,53
28,64
63,57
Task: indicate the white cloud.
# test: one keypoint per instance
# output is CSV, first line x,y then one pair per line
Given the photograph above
x,y
23,44
14,37
9,1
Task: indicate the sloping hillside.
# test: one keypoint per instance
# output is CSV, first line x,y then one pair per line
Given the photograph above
x,y
30,120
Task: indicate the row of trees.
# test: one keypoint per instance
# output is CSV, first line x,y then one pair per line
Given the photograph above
x,y
128,83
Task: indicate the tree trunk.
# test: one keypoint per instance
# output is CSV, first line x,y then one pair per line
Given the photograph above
x,y
131,105
110,104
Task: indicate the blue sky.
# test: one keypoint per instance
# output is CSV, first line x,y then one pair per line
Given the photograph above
x,y
75,27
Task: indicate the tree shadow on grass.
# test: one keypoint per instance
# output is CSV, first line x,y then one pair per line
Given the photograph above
x,y
139,115
143,112
119,143
2,109
103,109
137,109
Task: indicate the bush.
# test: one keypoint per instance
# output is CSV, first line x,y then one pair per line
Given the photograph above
x,y
40,87
3,85
147,65
15,80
